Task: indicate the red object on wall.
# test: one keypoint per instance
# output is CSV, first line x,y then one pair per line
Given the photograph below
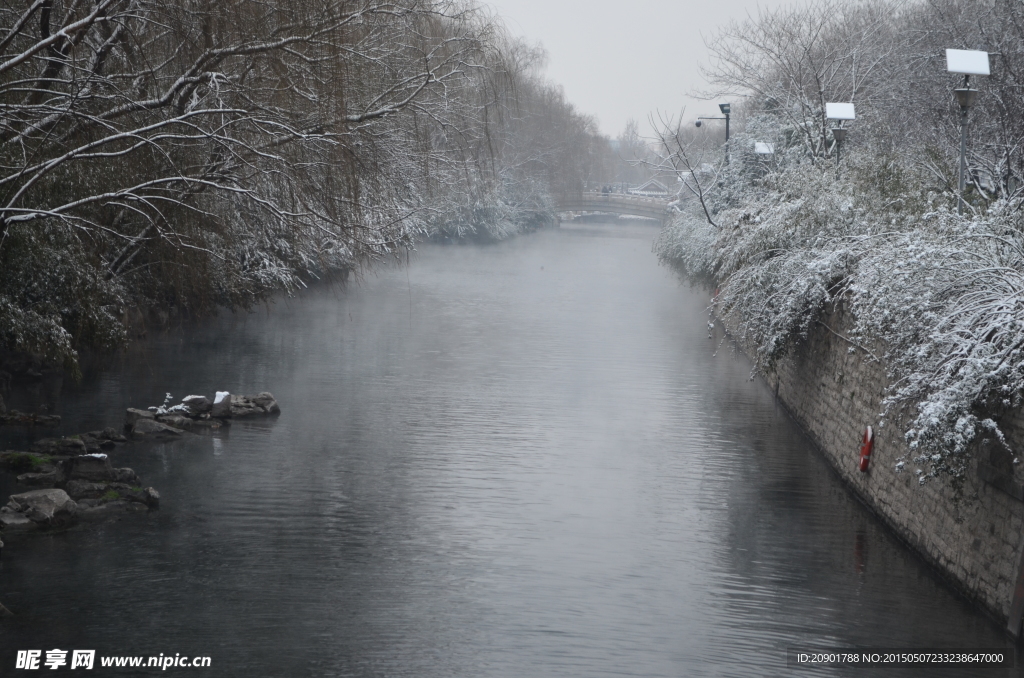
x,y
865,448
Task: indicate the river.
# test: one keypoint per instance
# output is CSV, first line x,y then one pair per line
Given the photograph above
x,y
524,459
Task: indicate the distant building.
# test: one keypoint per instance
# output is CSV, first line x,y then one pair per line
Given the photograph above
x,y
651,188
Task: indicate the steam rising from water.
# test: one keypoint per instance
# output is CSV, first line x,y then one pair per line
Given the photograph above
x,y
540,467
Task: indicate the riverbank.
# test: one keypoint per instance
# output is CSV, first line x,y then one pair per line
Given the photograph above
x,y
868,301
832,388
136,313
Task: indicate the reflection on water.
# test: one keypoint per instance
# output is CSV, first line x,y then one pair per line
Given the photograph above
x,y
519,460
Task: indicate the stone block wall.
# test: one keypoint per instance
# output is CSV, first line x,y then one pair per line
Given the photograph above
x,y
834,390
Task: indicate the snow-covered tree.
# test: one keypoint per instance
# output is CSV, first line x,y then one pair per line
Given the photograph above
x,y
937,297
200,154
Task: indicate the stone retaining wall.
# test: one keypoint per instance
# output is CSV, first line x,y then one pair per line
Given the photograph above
x,y
834,392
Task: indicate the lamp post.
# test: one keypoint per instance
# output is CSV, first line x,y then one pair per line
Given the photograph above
x,y
839,134
726,110
839,112
966,62
965,97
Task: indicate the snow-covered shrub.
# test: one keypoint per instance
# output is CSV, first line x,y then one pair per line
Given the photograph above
x,y
947,300
489,213
53,299
937,296
941,295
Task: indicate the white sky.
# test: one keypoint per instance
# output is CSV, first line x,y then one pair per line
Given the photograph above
x,y
629,58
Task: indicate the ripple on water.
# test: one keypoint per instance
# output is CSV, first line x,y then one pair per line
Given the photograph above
x,y
524,459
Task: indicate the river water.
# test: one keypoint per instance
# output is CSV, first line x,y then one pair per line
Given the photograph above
x,y
525,459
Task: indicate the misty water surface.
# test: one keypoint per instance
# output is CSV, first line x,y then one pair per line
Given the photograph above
x,y
524,459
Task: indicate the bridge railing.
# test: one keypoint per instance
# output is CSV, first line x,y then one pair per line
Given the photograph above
x,y
624,197
596,201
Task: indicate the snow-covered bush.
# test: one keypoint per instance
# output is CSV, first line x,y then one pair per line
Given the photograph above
x,y
941,296
947,300
493,213
51,295
937,297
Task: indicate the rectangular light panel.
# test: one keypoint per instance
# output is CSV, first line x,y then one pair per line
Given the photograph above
x,y
761,148
839,112
967,62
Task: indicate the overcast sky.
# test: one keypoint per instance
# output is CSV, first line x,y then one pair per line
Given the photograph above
x,y
626,59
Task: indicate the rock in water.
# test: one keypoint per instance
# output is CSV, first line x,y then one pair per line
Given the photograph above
x,y
48,479
175,420
257,405
221,405
126,475
13,521
92,443
59,446
267,402
83,489
94,467
90,495
46,508
242,406
133,416
197,404
112,435
16,418
150,428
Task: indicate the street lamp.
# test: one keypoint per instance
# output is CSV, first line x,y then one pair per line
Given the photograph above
x,y
839,134
726,109
966,62
839,112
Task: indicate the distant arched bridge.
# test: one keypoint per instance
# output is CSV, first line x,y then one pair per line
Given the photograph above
x,y
616,203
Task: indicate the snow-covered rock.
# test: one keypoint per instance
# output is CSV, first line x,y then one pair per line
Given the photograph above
x,y
197,404
221,404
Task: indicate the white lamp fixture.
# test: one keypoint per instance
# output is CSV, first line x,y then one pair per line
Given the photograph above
x,y
840,111
967,62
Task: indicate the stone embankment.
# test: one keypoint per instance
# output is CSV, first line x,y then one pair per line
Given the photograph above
x,y
77,479
834,388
